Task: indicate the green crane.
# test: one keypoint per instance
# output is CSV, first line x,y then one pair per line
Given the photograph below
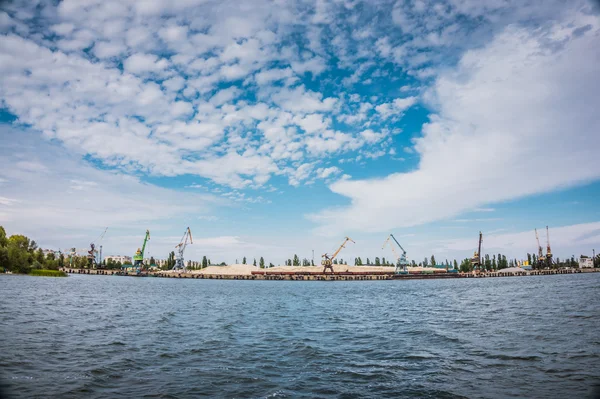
x,y
138,258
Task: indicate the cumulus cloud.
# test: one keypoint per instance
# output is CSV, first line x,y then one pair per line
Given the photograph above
x,y
515,118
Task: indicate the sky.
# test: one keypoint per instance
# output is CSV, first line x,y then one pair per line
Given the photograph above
x,y
274,128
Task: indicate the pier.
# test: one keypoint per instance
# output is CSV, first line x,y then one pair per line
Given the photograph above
x,y
320,276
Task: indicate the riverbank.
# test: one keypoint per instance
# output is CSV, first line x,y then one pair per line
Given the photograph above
x,y
308,273
42,273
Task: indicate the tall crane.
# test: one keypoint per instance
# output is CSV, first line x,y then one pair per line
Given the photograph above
x,y
93,259
138,258
540,258
476,259
401,262
327,261
179,262
548,250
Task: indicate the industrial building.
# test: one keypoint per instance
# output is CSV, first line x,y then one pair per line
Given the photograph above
x,y
118,258
585,262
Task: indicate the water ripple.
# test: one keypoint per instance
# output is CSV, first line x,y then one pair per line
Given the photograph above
x,y
167,338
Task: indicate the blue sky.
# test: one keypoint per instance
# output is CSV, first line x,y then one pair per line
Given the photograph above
x,y
273,128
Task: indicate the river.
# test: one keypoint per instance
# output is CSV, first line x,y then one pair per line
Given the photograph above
x,y
108,336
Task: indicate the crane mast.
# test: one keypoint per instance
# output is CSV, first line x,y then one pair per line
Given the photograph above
x,y
548,250
540,251
476,259
401,261
327,262
179,262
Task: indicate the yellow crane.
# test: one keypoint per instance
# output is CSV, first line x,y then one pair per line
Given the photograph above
x,y
540,258
476,259
327,261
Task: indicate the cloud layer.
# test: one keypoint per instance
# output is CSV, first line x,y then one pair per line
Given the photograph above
x,y
515,118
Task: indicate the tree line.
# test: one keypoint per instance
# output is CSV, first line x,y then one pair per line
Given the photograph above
x,y
19,254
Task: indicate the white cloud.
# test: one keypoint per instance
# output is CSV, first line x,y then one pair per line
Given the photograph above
x,y
273,75
515,118
324,173
71,195
396,107
141,63
299,99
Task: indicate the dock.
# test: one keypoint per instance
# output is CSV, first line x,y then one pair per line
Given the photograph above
x,y
320,276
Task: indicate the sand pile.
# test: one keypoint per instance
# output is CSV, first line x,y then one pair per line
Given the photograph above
x,y
246,270
239,270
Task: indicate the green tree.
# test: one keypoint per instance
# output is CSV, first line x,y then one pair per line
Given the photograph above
x,y
383,262
20,257
3,238
433,260
296,260
425,262
261,262
377,261
254,263
271,265
152,260
494,265
244,261
205,262
466,266
39,256
455,265
209,262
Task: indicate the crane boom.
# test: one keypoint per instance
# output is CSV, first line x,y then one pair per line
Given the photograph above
x,y
392,248
101,236
145,241
391,235
341,246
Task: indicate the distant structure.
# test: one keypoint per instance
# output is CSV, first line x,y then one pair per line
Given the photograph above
x,y
585,262
118,258
476,259
47,252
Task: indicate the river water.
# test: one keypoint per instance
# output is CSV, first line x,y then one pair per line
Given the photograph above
x,y
108,336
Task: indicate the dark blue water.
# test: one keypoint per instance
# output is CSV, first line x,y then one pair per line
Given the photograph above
x,y
107,336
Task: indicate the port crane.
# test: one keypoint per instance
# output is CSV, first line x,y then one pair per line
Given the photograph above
x,y
93,259
401,262
327,261
548,250
179,262
138,258
476,259
541,257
